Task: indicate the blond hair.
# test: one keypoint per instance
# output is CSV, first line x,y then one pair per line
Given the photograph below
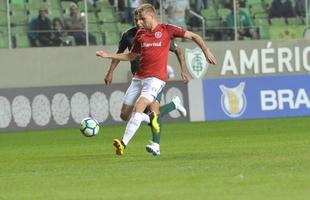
x,y
146,7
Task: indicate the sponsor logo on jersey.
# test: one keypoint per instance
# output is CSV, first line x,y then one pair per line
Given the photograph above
x,y
152,44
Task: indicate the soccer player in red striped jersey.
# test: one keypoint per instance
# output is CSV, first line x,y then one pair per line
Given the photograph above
x,y
152,44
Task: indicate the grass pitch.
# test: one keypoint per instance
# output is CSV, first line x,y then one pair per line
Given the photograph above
x,y
235,160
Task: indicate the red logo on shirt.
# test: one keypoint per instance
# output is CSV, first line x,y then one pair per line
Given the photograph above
x,y
158,35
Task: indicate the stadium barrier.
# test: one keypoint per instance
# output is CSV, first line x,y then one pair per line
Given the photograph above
x,y
264,79
250,98
36,67
66,106
243,64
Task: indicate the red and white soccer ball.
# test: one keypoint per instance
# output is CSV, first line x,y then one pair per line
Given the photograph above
x,y
89,127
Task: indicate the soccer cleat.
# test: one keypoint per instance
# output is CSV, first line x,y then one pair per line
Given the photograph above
x,y
177,102
154,123
119,147
153,148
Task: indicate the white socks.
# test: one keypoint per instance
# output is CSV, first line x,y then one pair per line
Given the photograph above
x,y
132,126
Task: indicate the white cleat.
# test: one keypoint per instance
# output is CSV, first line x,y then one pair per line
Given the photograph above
x,y
177,102
153,148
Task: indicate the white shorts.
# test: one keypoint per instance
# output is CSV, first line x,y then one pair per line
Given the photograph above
x,y
147,87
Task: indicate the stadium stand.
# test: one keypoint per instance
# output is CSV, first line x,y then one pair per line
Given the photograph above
x,y
274,28
102,19
105,22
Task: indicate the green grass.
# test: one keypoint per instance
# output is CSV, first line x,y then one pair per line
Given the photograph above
x,y
235,160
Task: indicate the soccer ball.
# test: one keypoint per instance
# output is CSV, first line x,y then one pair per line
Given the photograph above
x,y
89,127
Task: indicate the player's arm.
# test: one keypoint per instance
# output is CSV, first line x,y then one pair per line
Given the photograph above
x,y
122,45
133,54
109,75
200,42
117,56
181,58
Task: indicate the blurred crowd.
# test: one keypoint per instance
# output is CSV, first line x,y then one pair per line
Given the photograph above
x,y
178,12
70,30
43,31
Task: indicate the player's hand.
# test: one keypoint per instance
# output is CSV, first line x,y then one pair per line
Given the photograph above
x,y
102,54
210,57
108,78
185,76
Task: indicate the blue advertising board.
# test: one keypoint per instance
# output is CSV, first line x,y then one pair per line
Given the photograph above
x,y
257,97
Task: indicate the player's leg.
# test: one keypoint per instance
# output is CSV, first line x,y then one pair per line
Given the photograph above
x,y
129,100
154,113
154,146
150,88
126,112
174,104
132,125
155,107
